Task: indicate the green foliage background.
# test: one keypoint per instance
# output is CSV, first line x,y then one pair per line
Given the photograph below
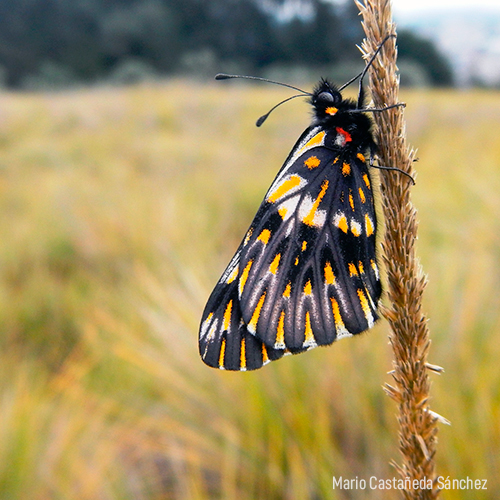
x,y
119,210
48,44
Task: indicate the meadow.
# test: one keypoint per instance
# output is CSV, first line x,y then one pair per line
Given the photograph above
x,y
120,207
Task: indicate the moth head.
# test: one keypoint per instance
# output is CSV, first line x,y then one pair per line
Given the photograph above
x,y
326,100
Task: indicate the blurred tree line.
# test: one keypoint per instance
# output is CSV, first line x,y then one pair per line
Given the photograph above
x,y
67,41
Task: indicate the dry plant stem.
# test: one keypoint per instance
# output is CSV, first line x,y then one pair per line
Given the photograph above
x,y
406,282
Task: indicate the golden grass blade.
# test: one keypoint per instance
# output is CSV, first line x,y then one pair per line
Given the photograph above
x,y
406,281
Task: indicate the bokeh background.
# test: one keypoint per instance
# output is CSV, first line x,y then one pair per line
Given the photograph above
x,y
127,179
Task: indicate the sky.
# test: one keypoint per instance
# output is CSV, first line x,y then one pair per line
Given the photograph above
x,y
405,6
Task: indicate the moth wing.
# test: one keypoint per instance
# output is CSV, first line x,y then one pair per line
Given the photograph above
x,y
308,272
224,341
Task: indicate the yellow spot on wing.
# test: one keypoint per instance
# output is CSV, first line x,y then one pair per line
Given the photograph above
x,y
360,267
364,303
308,288
342,224
233,275
265,357
227,315
274,264
308,333
317,140
362,195
296,260
367,180
346,168
351,200
287,291
248,236
304,245
361,157
369,225
264,236
282,211
329,276
309,218
284,187
312,162
222,352
339,324
252,325
352,269
243,358
280,332
244,276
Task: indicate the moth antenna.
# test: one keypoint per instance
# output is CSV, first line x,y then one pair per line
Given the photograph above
x,y
376,110
224,76
263,118
395,169
368,64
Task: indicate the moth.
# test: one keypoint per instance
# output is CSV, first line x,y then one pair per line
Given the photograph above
x,y
306,272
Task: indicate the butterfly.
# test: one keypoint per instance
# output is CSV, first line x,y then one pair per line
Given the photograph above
x,y
306,272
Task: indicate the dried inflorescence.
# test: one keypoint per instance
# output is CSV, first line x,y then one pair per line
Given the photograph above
x,y
405,279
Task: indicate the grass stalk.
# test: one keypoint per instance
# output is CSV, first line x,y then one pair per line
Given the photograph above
x,y
406,282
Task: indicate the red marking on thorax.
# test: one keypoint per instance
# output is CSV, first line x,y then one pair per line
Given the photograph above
x,y
347,135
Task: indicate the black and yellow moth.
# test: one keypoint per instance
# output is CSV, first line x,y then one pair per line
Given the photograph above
x,y
306,272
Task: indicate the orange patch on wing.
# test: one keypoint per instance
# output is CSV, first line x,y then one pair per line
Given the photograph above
x,y
264,236
352,269
243,358
280,331
244,276
329,276
312,162
227,315
274,264
369,225
308,333
336,314
364,303
252,325
315,141
342,224
284,187
346,169
222,352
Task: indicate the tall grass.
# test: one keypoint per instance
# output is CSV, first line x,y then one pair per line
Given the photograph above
x,y
120,208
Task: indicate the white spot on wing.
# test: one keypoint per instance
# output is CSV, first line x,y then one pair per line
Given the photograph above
x,y
342,332
289,205
305,208
356,227
231,269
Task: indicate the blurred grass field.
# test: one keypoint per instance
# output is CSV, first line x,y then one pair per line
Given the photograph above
x,y
119,210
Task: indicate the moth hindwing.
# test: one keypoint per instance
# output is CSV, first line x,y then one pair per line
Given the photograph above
x,y
306,271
